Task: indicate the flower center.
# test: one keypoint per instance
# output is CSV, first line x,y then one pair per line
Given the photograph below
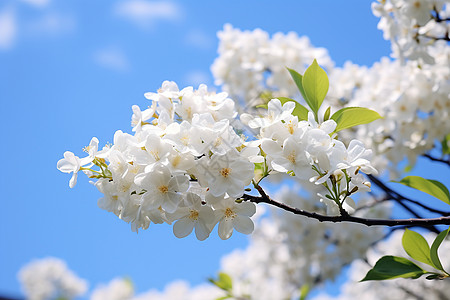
x,y
290,127
229,213
194,215
155,154
218,142
163,189
189,112
185,140
176,161
291,157
225,172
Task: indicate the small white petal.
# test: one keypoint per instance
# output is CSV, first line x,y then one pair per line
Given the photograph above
x,y
243,224
225,229
201,231
182,228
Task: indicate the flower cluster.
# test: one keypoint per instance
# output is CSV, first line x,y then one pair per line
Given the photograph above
x,y
186,164
251,62
415,106
414,26
415,102
50,278
310,151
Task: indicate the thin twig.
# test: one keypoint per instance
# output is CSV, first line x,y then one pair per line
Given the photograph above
x,y
447,162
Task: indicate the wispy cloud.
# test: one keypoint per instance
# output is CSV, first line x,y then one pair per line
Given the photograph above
x,y
51,24
199,39
37,3
146,13
8,28
112,58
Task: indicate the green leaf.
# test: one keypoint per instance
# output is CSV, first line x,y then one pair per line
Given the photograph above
x,y
315,83
304,291
417,247
265,106
298,81
224,282
431,187
434,249
300,111
390,267
353,116
327,113
224,297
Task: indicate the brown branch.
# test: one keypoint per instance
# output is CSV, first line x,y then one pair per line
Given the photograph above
x,y
264,198
447,162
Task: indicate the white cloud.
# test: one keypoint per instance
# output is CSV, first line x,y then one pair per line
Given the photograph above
x,y
8,29
112,58
146,13
51,24
195,78
37,3
199,39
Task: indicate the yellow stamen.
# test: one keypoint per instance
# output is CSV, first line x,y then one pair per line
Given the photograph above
x,y
229,213
225,172
163,189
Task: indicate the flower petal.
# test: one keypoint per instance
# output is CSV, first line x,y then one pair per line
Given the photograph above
x,y
183,227
225,229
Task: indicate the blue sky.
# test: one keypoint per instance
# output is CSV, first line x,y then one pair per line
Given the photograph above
x,y
70,70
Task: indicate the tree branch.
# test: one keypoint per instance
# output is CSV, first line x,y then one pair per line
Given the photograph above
x,y
399,198
264,198
447,162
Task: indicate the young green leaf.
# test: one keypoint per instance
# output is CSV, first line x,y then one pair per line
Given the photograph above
x,y
300,111
326,115
265,106
390,267
224,282
315,84
431,187
298,82
352,116
416,247
434,249
304,291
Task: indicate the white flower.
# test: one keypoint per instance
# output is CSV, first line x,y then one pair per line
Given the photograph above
x,y
194,215
234,215
139,117
72,164
229,173
156,152
275,113
290,157
161,189
357,158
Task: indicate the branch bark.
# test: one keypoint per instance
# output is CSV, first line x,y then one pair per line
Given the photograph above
x,y
264,198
